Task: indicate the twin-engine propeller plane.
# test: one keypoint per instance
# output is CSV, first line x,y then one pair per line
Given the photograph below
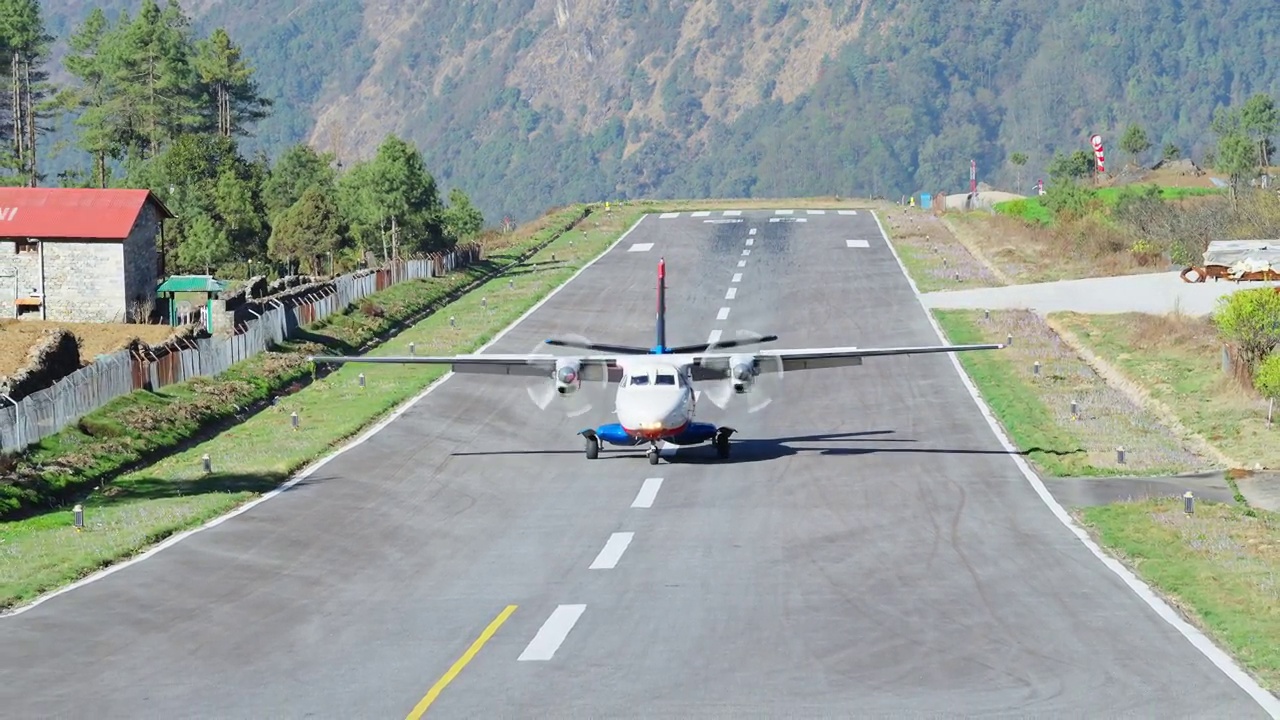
x,y
655,401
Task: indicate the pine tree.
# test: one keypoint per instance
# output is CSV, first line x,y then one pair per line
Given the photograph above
x,y
26,46
232,94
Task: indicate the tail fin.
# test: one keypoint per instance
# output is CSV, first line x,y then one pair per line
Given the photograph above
x,y
662,307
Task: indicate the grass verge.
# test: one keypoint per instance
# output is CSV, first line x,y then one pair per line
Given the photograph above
x,y
1220,567
1035,409
140,508
934,257
1177,360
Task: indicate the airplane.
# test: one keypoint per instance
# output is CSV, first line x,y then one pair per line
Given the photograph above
x,y
655,401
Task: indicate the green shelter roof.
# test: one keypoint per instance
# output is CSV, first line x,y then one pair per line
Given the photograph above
x,y
192,283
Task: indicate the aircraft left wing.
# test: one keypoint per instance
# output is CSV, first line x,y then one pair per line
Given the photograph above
x,y
591,367
711,366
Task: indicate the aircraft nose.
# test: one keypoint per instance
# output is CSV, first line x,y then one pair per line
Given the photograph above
x,y
647,410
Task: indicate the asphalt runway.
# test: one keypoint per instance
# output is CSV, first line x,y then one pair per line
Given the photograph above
x,y
870,548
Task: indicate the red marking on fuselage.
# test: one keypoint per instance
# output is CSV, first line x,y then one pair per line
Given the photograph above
x,y
656,434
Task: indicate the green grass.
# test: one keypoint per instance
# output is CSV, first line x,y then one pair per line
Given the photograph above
x,y
139,508
1221,566
1033,210
1035,409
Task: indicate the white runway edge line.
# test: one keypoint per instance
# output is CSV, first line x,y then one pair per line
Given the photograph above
x,y
307,472
1216,655
612,551
543,646
648,493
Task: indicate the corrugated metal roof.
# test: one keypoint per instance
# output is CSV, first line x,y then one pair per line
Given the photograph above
x,y
192,283
104,214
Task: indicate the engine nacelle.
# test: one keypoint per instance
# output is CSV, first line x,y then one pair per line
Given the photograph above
x,y
568,376
742,371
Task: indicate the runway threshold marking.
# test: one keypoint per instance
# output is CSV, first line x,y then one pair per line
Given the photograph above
x,y
453,671
648,493
543,646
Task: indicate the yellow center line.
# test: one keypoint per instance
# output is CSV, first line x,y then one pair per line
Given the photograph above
x,y
448,677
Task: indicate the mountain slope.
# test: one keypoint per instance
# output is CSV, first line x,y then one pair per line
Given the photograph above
x,y
528,103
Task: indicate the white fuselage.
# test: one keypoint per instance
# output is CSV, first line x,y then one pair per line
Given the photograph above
x,y
655,400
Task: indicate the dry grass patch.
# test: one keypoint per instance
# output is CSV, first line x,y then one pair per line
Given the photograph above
x,y
933,256
1036,408
1063,251
1177,360
17,337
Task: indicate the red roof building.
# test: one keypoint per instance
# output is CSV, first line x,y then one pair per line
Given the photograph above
x,y
73,213
80,254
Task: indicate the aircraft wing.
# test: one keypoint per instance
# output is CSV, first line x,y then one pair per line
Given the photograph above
x,y
711,366
591,367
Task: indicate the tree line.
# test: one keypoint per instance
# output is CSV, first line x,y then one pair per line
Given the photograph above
x,y
151,105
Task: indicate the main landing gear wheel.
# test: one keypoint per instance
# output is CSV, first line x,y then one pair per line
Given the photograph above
x,y
593,448
722,442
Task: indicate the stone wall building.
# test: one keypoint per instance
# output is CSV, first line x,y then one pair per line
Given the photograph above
x,y
80,255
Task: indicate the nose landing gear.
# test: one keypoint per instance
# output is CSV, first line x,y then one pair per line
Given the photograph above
x,y
652,453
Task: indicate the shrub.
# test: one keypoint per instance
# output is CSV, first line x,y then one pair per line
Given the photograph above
x,y
1267,379
1250,319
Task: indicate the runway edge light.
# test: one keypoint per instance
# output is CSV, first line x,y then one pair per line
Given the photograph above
x,y
78,515
1188,503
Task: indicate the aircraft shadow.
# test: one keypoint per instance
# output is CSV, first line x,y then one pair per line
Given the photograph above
x,y
746,449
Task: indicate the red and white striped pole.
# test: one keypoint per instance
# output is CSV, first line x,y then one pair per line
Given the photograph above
x,y
1097,152
973,177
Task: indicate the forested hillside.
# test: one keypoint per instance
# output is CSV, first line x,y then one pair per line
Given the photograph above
x,y
528,103
141,100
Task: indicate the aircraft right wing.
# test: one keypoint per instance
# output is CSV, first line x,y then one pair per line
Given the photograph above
x,y
708,366
590,367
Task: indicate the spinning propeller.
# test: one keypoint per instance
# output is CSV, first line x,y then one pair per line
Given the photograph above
x,y
567,391
756,386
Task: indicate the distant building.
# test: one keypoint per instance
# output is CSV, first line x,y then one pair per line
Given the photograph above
x,y
80,255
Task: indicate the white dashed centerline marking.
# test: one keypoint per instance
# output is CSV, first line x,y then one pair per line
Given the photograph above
x,y
733,293
714,337
732,212
648,491
723,314
612,551
816,212
857,243
668,216
752,231
543,646
751,241
784,212
640,247
847,212
742,263
700,213
737,277
746,252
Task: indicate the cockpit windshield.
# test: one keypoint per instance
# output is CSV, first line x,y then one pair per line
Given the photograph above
x,y
666,379
655,377
639,380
